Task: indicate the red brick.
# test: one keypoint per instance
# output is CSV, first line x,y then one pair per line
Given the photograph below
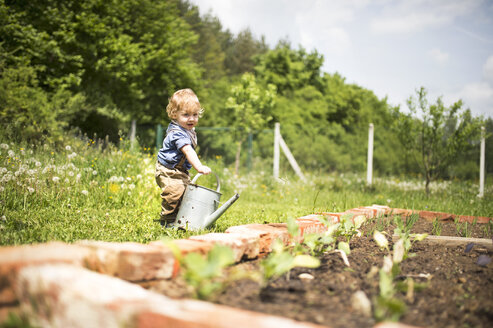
x,y
241,244
386,209
267,233
359,211
331,217
130,261
402,212
67,296
192,313
470,219
372,212
14,258
430,215
307,226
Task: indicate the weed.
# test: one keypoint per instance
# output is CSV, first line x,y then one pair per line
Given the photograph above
x,y
437,227
463,229
204,274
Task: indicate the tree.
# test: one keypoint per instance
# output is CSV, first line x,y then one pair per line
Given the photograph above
x,y
250,104
290,70
434,134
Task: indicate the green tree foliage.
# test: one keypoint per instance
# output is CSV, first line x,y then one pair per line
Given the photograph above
x,y
241,52
250,105
125,56
434,134
290,70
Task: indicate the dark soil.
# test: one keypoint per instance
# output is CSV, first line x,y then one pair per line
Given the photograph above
x,y
456,291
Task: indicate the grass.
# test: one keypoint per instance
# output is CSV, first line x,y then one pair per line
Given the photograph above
x,y
86,190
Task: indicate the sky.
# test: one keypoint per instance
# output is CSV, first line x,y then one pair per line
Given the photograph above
x,y
391,47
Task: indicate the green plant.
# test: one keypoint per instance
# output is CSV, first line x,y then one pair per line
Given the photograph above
x,y
204,274
386,305
15,321
437,227
281,261
463,229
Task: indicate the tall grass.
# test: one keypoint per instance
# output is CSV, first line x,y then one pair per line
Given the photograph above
x,y
84,189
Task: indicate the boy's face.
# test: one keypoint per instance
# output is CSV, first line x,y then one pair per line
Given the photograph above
x,y
187,119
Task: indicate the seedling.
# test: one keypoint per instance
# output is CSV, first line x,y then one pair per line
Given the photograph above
x,y
462,228
203,274
437,227
281,261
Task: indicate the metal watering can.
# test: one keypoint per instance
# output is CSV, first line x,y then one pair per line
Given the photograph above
x,y
199,206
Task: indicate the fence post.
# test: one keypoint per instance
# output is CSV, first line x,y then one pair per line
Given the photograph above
x,y
277,135
159,136
482,163
133,128
369,166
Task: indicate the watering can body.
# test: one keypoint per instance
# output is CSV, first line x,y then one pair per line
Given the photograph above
x,y
200,206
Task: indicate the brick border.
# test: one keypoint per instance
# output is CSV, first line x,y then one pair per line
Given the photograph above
x,y
46,280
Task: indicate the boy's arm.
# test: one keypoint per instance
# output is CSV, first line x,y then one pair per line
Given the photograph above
x,y
193,159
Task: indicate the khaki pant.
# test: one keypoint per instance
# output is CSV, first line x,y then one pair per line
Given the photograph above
x,y
172,183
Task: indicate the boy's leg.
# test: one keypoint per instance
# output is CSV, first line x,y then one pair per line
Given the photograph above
x,y
172,184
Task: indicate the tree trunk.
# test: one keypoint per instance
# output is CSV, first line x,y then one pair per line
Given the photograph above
x,y
427,185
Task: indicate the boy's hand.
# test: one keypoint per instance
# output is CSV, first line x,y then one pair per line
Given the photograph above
x,y
204,170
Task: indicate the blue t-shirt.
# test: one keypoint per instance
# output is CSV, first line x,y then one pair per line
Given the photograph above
x,y
170,154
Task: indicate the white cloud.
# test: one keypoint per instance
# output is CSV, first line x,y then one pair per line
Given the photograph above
x,y
488,69
439,56
417,15
477,96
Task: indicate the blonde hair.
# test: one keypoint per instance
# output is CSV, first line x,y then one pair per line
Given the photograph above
x,y
183,100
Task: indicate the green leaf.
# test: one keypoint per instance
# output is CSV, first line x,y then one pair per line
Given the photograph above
x,y
343,246
306,261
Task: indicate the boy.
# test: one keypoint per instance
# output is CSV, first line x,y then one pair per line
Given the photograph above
x,y
177,155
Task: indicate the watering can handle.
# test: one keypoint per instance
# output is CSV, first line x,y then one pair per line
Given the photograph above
x,y
217,180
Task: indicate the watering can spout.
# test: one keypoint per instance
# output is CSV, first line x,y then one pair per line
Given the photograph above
x,y
216,214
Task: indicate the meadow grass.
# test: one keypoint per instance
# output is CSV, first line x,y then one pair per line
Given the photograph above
x,y
84,189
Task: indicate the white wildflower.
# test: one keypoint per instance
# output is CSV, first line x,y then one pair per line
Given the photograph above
x,y
2,188
70,173
129,179
77,177
72,155
129,193
68,148
85,192
139,176
55,179
31,190
66,180
94,172
3,218
11,153
4,146
131,186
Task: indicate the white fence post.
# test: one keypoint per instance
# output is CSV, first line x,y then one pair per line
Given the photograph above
x,y
133,129
482,163
291,159
369,166
277,135
279,141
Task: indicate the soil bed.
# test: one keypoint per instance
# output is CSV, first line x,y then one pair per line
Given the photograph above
x,y
457,291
